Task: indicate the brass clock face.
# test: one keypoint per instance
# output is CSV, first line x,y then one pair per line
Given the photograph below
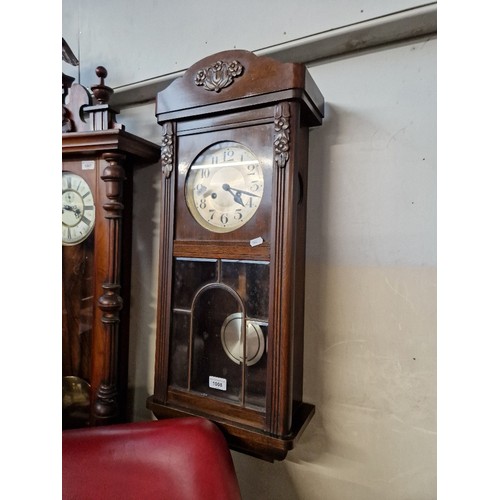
x,y
78,209
224,187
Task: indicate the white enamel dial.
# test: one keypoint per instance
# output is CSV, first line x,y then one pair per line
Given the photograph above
x,y
224,187
78,209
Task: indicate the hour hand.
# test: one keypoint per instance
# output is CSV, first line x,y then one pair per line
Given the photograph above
x,y
70,208
75,209
236,195
237,198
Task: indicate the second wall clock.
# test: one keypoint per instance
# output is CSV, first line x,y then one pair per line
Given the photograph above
x,y
98,162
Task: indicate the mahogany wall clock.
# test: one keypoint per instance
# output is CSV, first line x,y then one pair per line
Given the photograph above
x,y
98,160
230,311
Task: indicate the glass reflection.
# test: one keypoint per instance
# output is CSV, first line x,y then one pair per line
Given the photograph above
x,y
218,340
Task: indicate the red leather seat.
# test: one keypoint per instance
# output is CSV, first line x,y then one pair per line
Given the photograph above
x,y
177,459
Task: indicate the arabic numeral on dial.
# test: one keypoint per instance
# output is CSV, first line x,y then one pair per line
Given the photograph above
x,y
200,188
255,186
202,204
238,215
224,219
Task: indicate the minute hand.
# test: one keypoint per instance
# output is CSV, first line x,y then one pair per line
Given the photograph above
x,y
227,187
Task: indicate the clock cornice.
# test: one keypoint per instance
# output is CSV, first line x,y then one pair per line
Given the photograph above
x,y
257,80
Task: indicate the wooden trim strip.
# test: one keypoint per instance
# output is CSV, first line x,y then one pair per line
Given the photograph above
x,y
408,24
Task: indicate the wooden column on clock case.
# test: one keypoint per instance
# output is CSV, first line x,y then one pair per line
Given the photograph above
x,y
287,288
166,235
91,134
110,301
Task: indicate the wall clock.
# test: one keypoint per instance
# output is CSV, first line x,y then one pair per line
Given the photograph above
x,y
98,160
232,248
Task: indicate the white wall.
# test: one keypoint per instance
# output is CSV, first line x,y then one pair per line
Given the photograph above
x,y
370,347
142,40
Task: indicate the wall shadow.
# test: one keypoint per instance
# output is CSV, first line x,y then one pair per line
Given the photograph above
x,y
144,285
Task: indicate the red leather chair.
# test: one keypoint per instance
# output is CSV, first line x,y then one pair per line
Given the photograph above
x,y
173,459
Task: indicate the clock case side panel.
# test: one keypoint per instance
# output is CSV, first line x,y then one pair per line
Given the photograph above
x,y
167,228
125,272
287,409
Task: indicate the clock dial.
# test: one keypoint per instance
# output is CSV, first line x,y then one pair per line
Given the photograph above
x,y
78,209
224,187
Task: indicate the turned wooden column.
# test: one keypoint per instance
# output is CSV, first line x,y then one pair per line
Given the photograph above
x,y
110,301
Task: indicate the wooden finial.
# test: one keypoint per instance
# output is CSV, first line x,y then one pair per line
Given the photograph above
x,y
101,92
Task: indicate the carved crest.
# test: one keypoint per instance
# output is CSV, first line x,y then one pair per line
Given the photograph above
x,y
219,75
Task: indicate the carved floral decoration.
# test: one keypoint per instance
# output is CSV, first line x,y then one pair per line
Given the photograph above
x,y
282,135
219,75
167,149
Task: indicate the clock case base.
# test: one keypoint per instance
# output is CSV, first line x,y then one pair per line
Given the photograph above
x,y
262,445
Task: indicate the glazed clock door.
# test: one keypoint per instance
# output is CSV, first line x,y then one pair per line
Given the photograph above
x,y
221,272
78,221
220,329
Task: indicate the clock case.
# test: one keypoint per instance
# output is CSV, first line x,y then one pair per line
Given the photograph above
x,y
96,272
268,106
